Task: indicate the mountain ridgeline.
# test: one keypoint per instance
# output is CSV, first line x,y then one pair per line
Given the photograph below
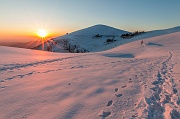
x,y
97,38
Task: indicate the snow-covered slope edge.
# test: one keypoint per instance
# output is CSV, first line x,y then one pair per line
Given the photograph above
x,y
155,33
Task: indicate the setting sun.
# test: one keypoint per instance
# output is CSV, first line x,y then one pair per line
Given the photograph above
x,y
42,33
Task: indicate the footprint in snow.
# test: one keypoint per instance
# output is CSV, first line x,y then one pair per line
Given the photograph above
x,y
118,95
109,103
116,89
124,86
2,86
175,90
104,114
130,80
178,101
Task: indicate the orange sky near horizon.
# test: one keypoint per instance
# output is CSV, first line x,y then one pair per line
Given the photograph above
x,y
24,36
20,19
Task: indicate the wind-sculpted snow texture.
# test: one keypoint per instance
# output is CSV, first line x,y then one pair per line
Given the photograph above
x,y
132,81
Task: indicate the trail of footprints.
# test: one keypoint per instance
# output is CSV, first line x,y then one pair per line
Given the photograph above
x,y
156,104
164,99
18,66
104,114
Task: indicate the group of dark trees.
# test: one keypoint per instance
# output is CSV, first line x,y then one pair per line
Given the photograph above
x,y
127,35
130,35
97,36
108,40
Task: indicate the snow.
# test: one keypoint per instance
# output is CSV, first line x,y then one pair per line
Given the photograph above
x,y
155,33
129,81
85,41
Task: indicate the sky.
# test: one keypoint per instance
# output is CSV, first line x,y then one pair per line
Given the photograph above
x,y
21,19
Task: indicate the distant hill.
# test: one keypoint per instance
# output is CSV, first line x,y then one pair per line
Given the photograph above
x,y
7,43
99,29
27,45
90,39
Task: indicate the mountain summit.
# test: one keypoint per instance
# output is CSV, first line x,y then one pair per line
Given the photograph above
x,y
99,29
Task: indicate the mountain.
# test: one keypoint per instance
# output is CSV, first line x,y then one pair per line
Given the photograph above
x,y
98,29
95,39
27,45
7,43
91,39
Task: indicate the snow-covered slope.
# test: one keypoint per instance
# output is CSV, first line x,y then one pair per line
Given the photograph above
x,y
155,33
84,40
130,81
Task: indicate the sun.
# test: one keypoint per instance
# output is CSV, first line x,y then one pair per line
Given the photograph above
x,y
42,33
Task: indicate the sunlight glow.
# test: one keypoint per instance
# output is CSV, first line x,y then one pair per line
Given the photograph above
x,y
42,33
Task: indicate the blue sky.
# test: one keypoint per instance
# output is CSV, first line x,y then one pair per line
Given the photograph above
x,y
61,16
